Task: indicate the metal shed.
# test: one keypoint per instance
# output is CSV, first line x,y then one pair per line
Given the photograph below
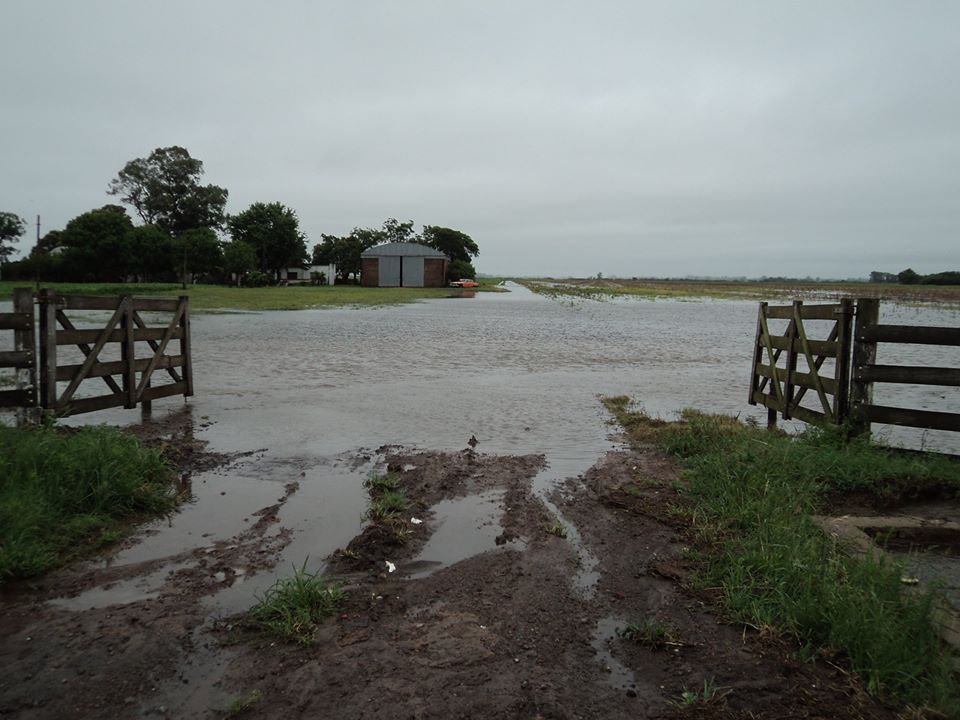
x,y
403,265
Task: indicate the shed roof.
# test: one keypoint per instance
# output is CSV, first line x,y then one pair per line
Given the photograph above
x,y
405,249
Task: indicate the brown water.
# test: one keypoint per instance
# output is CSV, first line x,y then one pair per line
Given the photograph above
x,y
522,373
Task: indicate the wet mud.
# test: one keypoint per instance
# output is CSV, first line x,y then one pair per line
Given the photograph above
x,y
502,633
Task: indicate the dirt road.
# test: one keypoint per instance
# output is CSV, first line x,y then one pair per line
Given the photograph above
x,y
530,628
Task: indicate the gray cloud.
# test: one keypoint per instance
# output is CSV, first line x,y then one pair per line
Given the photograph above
x,y
627,138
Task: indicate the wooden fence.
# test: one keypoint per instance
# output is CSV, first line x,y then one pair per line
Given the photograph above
x,y
22,359
869,333
60,379
847,392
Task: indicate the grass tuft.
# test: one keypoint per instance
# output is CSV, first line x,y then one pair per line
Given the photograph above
x,y
558,529
64,493
293,607
699,696
650,633
240,705
377,483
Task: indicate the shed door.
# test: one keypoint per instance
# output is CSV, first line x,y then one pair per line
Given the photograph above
x,y
390,271
413,272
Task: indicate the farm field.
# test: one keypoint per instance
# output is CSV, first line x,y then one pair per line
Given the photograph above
x,y
291,297
743,290
548,574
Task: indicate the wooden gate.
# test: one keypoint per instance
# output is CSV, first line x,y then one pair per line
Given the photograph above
x,y
776,382
127,327
22,359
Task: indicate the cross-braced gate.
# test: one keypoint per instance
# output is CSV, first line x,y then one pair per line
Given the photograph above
x,y
60,379
778,384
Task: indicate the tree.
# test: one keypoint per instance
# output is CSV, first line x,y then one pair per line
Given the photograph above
x,y
48,242
909,277
456,245
458,269
876,276
273,231
199,252
98,244
153,253
239,258
345,251
165,190
395,231
11,228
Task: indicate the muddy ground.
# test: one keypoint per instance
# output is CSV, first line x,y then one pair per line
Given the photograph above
x,y
523,630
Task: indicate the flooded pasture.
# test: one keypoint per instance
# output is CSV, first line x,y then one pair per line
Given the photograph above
x,y
309,403
318,392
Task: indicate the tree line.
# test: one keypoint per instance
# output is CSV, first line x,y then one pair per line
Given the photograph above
x,y
911,277
185,234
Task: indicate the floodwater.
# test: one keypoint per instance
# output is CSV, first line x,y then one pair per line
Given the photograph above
x,y
317,391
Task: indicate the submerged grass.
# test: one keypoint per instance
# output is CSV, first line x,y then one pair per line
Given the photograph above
x,y
751,497
602,289
66,492
293,607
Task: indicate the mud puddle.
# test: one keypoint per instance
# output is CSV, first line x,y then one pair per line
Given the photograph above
x,y
462,528
605,634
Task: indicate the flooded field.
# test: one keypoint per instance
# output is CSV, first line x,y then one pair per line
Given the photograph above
x,y
315,399
317,392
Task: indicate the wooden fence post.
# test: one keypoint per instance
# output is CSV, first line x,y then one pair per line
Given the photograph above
x,y
864,353
48,349
185,345
24,341
128,354
842,372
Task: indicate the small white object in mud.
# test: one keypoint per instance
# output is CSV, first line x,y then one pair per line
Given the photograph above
x,y
390,566
416,521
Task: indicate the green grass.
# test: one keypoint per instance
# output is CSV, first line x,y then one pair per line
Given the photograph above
x,y
557,529
292,297
239,705
386,506
751,494
698,696
66,493
377,483
293,607
650,633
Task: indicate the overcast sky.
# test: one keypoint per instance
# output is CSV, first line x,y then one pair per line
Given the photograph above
x,y
567,138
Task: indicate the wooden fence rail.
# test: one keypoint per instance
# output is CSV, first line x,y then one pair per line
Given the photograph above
x,y
128,380
848,393
868,334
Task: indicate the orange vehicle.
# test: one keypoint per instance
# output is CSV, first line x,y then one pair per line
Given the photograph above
x,y
465,283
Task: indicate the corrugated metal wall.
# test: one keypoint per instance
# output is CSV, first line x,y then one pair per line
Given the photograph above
x,y
390,271
412,275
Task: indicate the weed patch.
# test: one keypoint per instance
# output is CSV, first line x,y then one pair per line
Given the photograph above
x,y
64,493
557,529
240,705
751,494
293,607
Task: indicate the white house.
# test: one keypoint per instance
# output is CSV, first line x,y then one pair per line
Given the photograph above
x,y
301,275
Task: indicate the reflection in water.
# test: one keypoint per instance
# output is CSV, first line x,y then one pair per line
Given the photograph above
x,y
519,372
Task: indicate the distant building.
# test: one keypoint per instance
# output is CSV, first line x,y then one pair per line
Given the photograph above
x,y
403,265
302,275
